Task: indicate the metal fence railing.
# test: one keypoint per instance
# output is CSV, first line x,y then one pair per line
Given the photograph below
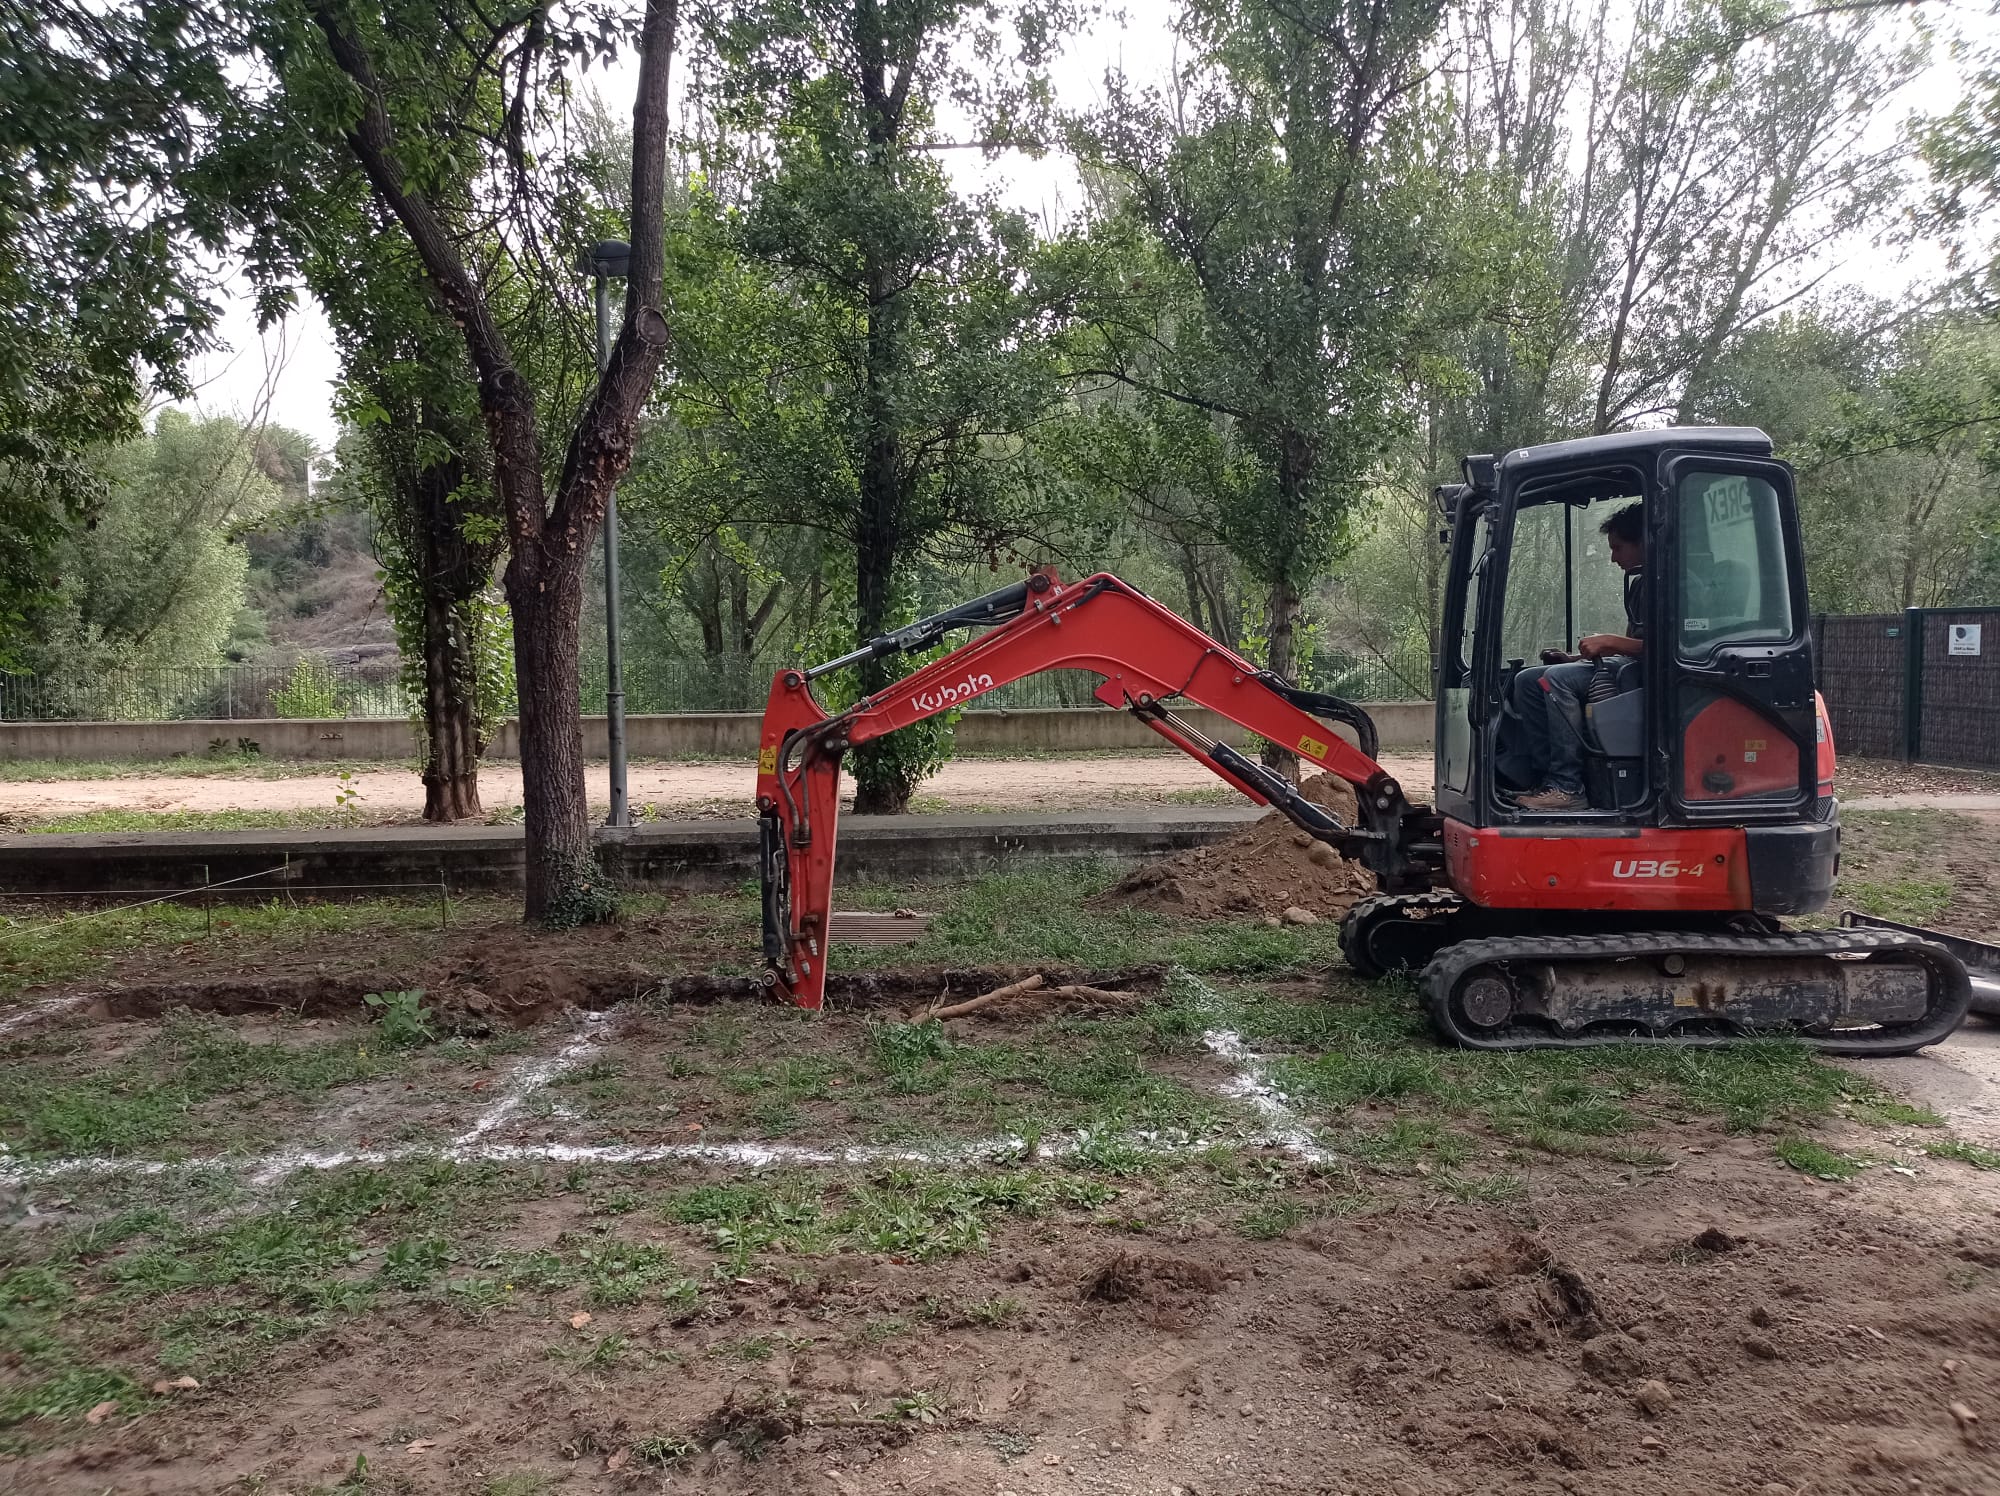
x,y
728,683
176,693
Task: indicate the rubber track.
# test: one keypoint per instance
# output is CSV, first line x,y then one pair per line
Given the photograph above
x,y
1452,964
1362,911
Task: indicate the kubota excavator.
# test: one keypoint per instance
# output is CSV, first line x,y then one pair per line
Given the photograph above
x,y
1651,913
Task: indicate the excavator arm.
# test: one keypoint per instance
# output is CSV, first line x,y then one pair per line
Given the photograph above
x,y
1149,658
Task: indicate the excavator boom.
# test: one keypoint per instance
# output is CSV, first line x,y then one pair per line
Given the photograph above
x,y
1149,658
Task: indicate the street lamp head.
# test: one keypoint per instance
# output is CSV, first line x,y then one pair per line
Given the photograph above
x,y
608,257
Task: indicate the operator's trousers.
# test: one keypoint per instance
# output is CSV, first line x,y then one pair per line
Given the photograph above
x,y
1548,704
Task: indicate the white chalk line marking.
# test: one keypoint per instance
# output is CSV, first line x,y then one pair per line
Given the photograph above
x,y
533,1075
1252,1085
1283,1129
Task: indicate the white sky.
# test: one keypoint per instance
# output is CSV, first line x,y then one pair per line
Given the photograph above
x,y
239,377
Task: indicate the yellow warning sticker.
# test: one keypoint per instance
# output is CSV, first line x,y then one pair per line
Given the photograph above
x,y
767,761
1312,747
1755,745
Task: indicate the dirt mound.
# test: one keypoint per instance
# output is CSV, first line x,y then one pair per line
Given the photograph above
x,y
1269,867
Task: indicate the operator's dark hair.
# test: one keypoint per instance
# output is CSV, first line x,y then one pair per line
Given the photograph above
x,y
1627,524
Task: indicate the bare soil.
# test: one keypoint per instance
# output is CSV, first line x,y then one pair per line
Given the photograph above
x,y
1264,870
1713,1327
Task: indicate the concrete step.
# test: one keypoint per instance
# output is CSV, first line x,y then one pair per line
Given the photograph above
x,y
662,854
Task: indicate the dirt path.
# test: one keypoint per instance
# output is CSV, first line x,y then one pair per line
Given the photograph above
x,y
672,789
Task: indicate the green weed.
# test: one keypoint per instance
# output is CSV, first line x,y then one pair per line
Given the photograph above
x,y
1812,1158
1271,1220
1884,1111
401,1018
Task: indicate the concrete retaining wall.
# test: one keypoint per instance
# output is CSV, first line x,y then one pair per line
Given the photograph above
x,y
712,855
1402,724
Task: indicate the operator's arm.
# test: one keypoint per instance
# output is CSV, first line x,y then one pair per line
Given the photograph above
x,y
1597,646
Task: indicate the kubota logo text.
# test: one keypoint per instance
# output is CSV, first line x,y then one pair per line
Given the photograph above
x,y
944,696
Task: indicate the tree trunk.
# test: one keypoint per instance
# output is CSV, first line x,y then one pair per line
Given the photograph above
x,y
451,573
544,576
1295,468
1285,606
451,722
880,786
880,790
564,886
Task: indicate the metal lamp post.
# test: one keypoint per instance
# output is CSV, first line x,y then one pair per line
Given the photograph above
x,y
611,257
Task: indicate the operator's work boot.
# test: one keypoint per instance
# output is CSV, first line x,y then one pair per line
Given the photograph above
x,y
1554,800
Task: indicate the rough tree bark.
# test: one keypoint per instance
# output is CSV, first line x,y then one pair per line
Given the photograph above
x,y
550,543
450,575
1285,603
878,529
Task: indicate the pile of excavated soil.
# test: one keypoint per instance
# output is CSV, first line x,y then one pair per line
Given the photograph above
x,y
1262,871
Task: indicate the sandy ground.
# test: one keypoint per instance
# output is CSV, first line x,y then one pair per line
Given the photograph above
x,y
1958,1079
670,788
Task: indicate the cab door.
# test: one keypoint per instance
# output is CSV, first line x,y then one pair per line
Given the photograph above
x,y
1736,700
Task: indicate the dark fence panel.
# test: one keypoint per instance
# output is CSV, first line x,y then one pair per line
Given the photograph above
x,y
1958,693
1861,677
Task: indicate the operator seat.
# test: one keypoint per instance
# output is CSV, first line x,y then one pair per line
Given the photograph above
x,y
1614,736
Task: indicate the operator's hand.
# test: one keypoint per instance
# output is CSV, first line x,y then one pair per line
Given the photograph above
x,y
1597,646
1558,657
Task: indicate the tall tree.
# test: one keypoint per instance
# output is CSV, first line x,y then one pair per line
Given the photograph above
x,y
156,576
863,347
456,116
102,282
1290,183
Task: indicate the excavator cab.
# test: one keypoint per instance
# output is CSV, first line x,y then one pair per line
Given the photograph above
x,y
1713,723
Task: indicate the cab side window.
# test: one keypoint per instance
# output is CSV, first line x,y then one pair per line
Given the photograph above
x,y
1734,587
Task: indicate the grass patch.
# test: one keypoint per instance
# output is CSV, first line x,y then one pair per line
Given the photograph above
x,y
1964,1152
35,949
1886,1111
1913,901
1815,1159
153,1096
909,1213
1043,914
107,821
1374,1049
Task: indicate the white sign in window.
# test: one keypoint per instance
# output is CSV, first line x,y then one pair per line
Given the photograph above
x,y
1965,638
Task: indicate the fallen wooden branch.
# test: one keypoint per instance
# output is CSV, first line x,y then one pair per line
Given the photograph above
x,y
997,995
1031,990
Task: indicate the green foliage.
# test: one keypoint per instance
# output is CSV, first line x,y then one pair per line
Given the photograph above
x,y
311,691
860,349
1895,442
104,261
1256,225
157,576
401,1018
580,894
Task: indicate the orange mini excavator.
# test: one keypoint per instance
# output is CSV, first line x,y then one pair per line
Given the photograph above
x,y
1651,911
